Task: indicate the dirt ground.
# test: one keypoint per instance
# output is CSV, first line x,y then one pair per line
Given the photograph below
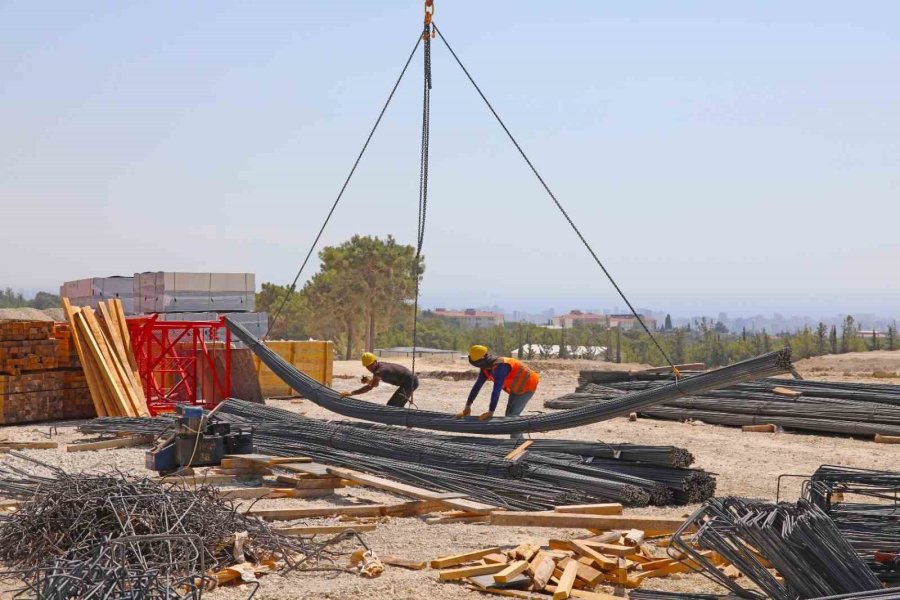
x,y
746,464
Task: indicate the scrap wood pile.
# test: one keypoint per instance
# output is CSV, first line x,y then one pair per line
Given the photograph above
x,y
104,349
110,536
829,407
575,568
40,376
549,473
864,507
788,551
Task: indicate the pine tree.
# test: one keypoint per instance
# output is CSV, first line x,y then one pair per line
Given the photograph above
x,y
892,333
821,339
743,334
668,324
833,339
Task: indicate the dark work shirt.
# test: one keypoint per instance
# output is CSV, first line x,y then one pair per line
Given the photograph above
x,y
393,374
499,374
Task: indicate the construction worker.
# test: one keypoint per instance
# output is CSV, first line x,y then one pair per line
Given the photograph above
x,y
509,375
390,373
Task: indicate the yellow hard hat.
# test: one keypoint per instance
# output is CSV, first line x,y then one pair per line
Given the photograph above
x,y
368,359
477,352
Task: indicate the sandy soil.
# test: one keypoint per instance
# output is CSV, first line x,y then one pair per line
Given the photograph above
x,y
747,464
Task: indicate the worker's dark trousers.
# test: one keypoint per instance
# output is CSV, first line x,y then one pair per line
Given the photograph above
x,y
404,393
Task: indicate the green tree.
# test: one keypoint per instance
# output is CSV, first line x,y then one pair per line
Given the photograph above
x,y
821,339
668,323
291,324
41,300
891,336
851,341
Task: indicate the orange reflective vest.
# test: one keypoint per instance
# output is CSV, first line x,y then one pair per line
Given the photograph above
x,y
521,379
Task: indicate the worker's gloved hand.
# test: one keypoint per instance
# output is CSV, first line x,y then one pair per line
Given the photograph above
x,y
345,394
365,379
486,416
465,413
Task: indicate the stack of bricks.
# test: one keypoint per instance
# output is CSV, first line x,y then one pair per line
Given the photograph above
x,y
40,376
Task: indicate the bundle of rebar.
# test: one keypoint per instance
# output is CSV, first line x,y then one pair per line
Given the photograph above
x,y
865,506
829,408
799,541
553,472
767,365
111,536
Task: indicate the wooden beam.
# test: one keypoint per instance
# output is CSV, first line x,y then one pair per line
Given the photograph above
x,y
581,549
585,572
651,525
520,451
566,581
196,479
610,549
459,519
366,510
123,442
28,445
112,331
395,561
463,572
768,428
329,529
786,392
608,508
887,439
469,506
511,571
89,372
458,559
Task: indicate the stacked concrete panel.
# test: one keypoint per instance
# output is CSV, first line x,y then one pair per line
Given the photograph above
x,y
89,292
170,292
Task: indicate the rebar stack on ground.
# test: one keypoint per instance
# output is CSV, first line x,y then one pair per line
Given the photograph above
x,y
774,363
842,408
561,472
865,506
642,594
885,594
800,541
110,536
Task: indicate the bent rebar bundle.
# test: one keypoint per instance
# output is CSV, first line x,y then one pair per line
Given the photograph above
x,y
800,541
865,506
766,365
559,472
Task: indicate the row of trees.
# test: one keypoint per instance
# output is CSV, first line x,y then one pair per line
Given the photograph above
x,y
41,300
362,298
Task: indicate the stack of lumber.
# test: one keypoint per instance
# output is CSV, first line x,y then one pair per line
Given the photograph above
x,y
38,379
860,409
104,350
566,568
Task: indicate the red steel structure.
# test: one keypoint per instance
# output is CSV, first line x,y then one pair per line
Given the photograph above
x,y
181,362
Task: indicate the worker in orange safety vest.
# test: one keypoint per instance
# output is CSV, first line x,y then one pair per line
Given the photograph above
x,y
509,375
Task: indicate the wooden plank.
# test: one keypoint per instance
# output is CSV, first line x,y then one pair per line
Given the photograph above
x,y
463,572
108,373
112,360
887,439
523,595
459,519
196,479
651,525
368,510
566,581
496,557
29,445
587,595
768,428
611,549
88,368
112,330
403,489
326,529
604,537
604,562
608,508
588,574
786,392
513,569
526,551
458,559
395,561
634,537
122,442
287,460
520,451
541,569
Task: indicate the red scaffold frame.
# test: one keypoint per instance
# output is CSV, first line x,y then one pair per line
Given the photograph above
x,y
175,360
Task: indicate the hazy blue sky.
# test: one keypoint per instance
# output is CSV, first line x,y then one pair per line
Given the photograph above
x,y
719,156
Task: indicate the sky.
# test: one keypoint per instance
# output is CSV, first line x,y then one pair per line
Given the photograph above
x,y
738,157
